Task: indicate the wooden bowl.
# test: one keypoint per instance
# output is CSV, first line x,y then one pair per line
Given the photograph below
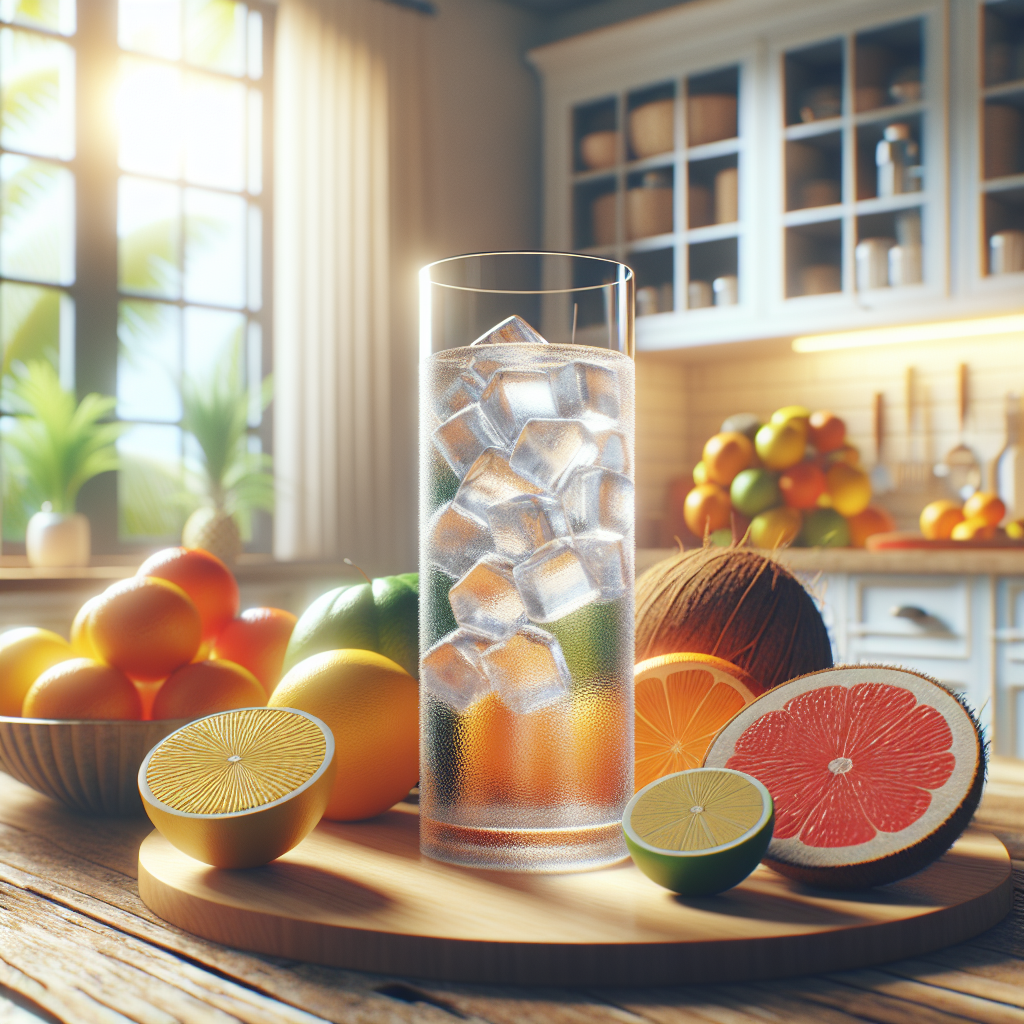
x,y
710,117
89,766
648,212
602,219
599,149
652,128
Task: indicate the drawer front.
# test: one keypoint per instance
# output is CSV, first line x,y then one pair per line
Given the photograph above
x,y
1010,665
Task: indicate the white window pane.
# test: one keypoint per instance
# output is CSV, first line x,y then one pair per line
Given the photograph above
x,y
213,339
150,483
37,218
149,237
255,258
214,118
37,94
255,141
215,33
149,118
35,323
255,46
214,248
55,15
148,361
150,26
254,372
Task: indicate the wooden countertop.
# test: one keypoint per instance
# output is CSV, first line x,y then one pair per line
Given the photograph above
x,y
77,944
987,561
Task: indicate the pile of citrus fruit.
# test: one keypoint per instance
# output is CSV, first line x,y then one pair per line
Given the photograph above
x,y
978,518
792,480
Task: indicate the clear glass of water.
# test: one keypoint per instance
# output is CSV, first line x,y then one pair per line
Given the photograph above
x,y
526,560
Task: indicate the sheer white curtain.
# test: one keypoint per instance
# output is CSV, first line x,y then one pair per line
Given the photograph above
x,y
348,237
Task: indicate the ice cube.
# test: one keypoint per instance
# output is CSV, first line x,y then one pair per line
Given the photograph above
x,y
528,670
514,396
466,389
456,541
513,330
490,479
485,367
604,554
612,450
587,391
452,669
546,451
486,599
598,499
553,581
521,525
464,436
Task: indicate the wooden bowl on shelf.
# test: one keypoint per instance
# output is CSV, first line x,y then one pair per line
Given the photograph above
x,y
652,128
710,117
90,766
648,212
602,219
599,149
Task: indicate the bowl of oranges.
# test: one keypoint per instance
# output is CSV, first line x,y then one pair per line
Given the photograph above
x,y
149,654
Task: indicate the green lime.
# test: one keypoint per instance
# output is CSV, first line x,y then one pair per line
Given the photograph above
x,y
722,538
592,641
381,616
701,831
754,490
824,528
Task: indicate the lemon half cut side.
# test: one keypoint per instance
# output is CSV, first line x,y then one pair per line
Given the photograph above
x,y
240,788
699,832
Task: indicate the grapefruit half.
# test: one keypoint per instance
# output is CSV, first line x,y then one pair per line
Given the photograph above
x,y
681,701
874,772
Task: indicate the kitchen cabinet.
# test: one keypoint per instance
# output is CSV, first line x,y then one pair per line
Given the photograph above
x,y
776,168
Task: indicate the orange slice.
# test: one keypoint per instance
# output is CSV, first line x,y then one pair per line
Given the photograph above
x,y
681,702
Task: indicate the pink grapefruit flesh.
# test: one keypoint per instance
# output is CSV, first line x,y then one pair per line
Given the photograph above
x,y
874,772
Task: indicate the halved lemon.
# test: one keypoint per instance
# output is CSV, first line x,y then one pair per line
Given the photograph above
x,y
240,788
681,701
699,832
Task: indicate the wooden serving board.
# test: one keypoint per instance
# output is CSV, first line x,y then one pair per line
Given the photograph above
x,y
361,896
909,541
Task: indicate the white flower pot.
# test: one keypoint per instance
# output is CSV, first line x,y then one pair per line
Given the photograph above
x,y
58,540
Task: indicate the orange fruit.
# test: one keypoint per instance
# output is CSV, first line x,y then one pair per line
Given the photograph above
x,y
848,487
826,431
681,701
371,704
872,520
25,653
81,688
986,505
145,626
707,507
81,639
844,453
257,640
938,518
977,528
725,455
205,578
205,687
801,485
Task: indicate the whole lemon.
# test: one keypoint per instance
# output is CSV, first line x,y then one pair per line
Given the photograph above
x,y
939,517
25,654
776,527
781,445
798,414
371,705
849,488
976,528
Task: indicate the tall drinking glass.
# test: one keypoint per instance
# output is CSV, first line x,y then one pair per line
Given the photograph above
x,y
526,560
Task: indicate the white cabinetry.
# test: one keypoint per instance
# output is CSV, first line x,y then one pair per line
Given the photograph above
x,y
739,140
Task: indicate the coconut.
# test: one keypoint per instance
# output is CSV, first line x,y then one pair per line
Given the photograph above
x,y
874,771
734,603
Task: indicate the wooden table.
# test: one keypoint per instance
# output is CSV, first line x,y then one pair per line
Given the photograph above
x,y
78,945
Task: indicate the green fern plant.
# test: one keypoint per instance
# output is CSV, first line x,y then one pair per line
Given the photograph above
x,y
59,443
229,477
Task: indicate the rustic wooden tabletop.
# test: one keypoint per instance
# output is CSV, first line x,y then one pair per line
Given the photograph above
x,y
77,944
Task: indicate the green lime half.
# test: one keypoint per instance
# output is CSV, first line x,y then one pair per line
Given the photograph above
x,y
700,831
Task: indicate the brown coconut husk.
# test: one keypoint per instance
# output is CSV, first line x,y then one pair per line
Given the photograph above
x,y
737,604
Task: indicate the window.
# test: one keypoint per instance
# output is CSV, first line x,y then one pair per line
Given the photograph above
x,y
134,165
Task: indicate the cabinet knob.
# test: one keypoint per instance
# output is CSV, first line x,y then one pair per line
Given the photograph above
x,y
919,617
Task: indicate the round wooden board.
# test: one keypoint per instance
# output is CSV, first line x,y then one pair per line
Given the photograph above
x,y
360,896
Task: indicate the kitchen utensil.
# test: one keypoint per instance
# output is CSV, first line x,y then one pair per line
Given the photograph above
x,y
599,149
904,265
821,279
727,196
699,206
699,294
1006,252
648,212
710,117
726,289
963,470
872,259
1004,126
652,128
881,481
602,219
897,157
1008,465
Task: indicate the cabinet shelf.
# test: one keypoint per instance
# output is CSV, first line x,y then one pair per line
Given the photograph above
x,y
1003,89
1013,181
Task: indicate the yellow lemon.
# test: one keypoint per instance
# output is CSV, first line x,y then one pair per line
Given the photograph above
x,y
798,414
781,446
25,654
776,527
938,518
849,488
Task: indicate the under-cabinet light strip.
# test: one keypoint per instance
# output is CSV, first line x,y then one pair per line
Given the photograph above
x,y
950,330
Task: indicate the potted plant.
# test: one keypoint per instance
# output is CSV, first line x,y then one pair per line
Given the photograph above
x,y
230,480
59,444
